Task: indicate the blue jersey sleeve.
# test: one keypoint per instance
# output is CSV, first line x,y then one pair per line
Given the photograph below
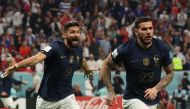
x,y
117,54
167,58
48,50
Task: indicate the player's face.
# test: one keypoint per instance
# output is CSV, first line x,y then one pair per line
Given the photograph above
x,y
145,32
72,36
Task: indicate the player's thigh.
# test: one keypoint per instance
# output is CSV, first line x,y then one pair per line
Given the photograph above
x,y
69,102
8,102
134,104
44,104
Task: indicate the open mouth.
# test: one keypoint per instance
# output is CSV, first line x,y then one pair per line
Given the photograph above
x,y
75,42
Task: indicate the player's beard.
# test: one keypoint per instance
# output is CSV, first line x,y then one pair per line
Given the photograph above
x,y
144,42
73,42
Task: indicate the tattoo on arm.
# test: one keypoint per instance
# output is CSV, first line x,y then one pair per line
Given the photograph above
x,y
166,79
106,74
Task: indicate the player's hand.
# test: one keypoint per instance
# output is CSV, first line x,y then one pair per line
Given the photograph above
x,y
88,74
151,93
4,94
111,99
8,71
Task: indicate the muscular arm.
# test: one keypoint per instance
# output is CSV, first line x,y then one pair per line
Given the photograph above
x,y
31,61
106,74
25,63
166,79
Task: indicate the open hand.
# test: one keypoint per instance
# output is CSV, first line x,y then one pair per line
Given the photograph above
x,y
8,71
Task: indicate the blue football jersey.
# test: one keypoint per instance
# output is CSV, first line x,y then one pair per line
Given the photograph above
x,y
59,66
143,66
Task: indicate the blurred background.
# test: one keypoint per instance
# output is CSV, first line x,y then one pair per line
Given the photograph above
x,y
27,26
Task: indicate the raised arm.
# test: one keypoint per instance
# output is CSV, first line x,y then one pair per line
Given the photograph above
x,y
25,63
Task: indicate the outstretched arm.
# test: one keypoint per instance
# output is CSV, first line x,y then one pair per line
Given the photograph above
x,y
25,63
106,76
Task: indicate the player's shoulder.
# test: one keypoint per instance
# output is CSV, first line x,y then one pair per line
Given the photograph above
x,y
130,43
56,43
159,42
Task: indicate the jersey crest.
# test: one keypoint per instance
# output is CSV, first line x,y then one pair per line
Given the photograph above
x,y
146,61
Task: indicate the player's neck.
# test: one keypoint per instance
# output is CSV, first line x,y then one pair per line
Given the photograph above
x,y
144,46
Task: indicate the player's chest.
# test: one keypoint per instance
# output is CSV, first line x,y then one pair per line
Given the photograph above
x,y
144,59
70,59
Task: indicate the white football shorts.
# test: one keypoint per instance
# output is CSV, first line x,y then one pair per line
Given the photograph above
x,y
136,104
69,102
8,102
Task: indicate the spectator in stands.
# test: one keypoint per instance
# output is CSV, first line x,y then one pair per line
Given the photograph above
x,y
177,63
105,43
30,37
185,82
92,64
36,81
118,82
65,5
94,48
89,87
187,57
163,99
179,95
181,19
25,49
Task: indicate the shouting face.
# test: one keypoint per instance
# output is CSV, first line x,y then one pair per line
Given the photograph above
x,y
72,36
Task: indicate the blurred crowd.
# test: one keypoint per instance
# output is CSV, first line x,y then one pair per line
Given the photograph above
x,y
27,26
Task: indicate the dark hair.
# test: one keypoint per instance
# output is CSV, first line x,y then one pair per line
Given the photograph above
x,y
140,20
69,24
185,74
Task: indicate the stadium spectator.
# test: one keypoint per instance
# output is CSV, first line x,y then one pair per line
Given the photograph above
x,y
36,81
118,83
89,86
179,95
185,82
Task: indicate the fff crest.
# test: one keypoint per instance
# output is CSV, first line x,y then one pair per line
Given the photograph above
x,y
146,61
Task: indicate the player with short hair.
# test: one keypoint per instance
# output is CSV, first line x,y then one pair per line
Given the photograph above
x,y
61,59
143,59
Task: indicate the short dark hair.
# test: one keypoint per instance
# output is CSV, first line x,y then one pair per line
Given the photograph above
x,y
140,20
69,24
